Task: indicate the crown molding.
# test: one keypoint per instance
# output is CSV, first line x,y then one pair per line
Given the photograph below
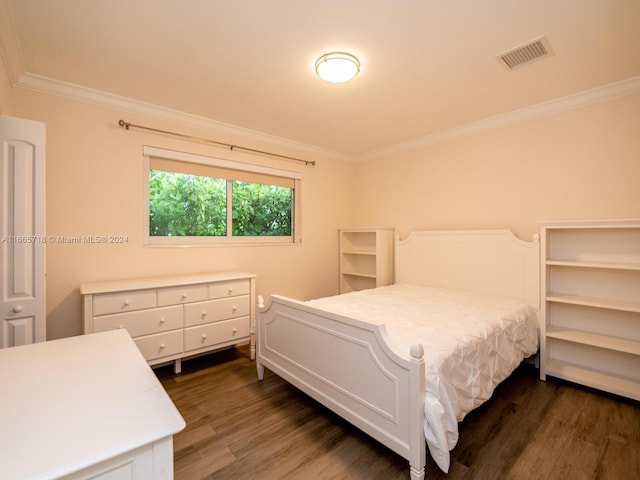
x,y
582,99
11,55
125,104
9,46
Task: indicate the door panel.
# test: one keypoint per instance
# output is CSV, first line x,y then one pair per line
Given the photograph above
x,y
22,244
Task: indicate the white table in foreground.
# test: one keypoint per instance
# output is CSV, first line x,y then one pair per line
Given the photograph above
x,y
84,407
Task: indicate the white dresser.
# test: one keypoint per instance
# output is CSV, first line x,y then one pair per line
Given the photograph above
x,y
174,317
84,407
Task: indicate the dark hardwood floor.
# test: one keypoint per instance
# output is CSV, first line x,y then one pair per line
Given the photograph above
x,y
239,428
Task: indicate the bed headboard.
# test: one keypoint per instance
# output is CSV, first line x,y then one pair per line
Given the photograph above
x,y
493,262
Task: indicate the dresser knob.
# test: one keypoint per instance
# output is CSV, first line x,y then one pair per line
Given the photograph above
x,y
204,313
162,345
235,330
234,308
184,295
120,327
162,320
230,289
17,308
127,303
204,336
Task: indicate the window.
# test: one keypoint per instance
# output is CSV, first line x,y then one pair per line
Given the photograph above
x,y
192,199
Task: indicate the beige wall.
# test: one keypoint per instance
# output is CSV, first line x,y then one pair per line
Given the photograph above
x,y
582,163
5,90
94,187
578,164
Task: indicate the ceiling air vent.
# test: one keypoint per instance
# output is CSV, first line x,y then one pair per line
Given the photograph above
x,y
525,54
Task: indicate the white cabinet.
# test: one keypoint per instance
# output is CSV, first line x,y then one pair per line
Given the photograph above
x,y
591,287
84,407
171,318
366,258
22,228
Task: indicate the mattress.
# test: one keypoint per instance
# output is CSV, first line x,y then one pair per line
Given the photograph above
x,y
471,342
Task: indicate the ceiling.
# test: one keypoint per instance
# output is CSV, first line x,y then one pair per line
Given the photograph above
x,y
427,66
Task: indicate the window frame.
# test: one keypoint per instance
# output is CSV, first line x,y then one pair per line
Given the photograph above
x,y
173,155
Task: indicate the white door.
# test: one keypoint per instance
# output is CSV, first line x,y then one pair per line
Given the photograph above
x,y
22,242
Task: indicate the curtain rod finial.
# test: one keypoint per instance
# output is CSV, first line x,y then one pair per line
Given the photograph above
x,y
124,124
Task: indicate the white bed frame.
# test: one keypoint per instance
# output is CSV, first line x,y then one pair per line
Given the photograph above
x,y
347,364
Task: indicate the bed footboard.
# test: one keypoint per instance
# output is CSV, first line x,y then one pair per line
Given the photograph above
x,y
348,366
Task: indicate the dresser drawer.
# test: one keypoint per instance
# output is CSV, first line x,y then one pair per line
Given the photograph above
x,y
160,344
158,311
142,322
214,333
229,289
216,310
178,295
123,301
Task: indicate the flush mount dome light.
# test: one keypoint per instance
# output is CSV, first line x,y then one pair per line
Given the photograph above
x,y
337,67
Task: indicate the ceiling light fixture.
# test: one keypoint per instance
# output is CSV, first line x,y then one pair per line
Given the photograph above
x,y
337,67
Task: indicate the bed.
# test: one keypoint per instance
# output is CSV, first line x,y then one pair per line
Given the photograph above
x,y
405,363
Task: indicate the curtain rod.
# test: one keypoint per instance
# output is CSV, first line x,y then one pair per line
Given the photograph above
x,y
127,125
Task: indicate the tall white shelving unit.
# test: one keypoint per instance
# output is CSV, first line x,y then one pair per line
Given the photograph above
x,y
366,258
591,304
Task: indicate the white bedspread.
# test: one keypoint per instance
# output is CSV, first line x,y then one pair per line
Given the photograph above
x,y
471,342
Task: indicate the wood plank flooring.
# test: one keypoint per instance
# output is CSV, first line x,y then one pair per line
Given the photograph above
x,y
239,428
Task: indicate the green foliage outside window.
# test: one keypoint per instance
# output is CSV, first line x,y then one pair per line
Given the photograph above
x,y
192,205
261,210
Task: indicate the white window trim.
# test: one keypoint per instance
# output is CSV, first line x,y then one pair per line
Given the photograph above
x,y
295,238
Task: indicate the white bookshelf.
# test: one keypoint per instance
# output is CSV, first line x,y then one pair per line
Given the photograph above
x,y
366,258
591,297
